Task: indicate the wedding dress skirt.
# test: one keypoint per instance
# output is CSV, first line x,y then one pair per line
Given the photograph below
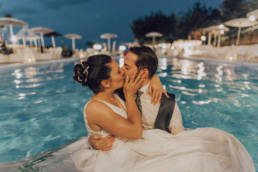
x,y
199,150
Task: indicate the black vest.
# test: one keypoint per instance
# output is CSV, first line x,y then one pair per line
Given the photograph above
x,y
166,109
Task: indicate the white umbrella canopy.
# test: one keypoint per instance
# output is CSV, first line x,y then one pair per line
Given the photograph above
x,y
41,31
240,22
253,13
108,36
12,22
153,35
216,28
73,36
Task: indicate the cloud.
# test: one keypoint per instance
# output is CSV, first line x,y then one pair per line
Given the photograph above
x,y
57,4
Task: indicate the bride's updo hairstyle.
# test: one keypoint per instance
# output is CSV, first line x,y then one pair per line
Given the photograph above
x,y
92,71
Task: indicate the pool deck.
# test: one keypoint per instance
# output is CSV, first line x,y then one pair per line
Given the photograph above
x,y
241,59
253,61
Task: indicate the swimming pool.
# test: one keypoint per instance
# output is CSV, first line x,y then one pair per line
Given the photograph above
x,y
41,106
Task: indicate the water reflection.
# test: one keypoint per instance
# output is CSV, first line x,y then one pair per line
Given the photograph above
x,y
219,73
200,72
230,73
163,63
30,71
17,73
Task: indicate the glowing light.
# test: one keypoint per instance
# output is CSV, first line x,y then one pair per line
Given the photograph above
x,y
252,18
81,54
122,48
97,46
221,26
163,63
203,38
163,45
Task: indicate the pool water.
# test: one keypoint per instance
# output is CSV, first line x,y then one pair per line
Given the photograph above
x,y
41,106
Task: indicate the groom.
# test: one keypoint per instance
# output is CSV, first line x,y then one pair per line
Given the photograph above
x,y
164,115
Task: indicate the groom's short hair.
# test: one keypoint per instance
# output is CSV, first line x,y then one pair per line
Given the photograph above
x,y
146,59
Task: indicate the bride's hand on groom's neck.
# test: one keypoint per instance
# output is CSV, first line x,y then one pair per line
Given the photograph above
x,y
132,85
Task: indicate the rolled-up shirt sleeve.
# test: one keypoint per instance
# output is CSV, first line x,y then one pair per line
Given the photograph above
x,y
176,122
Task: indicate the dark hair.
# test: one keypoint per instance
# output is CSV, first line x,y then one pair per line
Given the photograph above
x,y
92,71
146,59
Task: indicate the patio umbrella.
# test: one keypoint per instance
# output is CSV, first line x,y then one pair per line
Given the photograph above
x,y
240,22
11,22
216,30
41,31
153,35
25,35
108,36
52,35
73,36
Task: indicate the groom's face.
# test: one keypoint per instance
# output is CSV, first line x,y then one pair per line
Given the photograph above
x,y
130,67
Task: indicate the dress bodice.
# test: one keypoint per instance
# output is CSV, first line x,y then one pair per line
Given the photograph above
x,y
114,108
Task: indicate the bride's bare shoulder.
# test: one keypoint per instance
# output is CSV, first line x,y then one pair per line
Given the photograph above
x,y
96,107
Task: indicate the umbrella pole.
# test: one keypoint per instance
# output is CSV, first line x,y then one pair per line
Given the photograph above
x,y
11,30
218,45
209,39
109,46
73,43
42,40
238,35
53,41
35,43
215,40
24,42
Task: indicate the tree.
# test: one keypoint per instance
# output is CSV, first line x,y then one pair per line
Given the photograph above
x,y
156,22
232,9
8,15
195,18
89,43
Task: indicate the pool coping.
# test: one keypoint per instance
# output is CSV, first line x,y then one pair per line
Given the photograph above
x,y
7,66
214,61
219,61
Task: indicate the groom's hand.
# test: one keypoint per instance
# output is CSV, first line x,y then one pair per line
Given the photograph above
x,y
156,89
101,143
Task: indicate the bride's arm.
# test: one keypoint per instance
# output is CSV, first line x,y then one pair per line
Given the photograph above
x,y
155,89
176,124
100,115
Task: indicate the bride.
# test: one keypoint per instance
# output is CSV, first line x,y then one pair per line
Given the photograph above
x,y
138,150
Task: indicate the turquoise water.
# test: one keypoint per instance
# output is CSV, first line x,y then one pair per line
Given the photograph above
x,y
41,106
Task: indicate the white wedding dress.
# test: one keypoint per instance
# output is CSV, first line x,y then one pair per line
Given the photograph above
x,y
199,150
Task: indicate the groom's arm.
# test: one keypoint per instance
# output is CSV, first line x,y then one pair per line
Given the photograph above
x,y
176,123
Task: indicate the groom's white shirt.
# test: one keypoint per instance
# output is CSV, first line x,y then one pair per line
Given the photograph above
x,y
150,112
